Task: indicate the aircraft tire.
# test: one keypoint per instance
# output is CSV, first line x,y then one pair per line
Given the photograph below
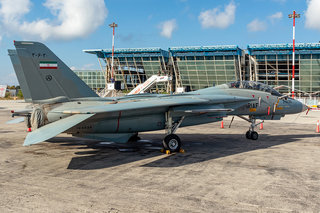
x,y
248,134
172,142
254,135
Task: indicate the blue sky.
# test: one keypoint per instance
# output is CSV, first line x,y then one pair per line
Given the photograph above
x,y
69,26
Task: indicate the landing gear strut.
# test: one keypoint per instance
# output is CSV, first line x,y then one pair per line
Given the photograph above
x,y
172,142
251,134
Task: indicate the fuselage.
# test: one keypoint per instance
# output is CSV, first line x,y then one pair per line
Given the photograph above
x,y
262,105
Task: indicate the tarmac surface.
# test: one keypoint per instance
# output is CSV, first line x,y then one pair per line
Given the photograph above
x,y
221,171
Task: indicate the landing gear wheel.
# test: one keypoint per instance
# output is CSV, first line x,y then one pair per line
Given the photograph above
x,y
254,135
172,142
248,134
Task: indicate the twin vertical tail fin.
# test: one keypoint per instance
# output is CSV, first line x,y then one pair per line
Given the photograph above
x,y
20,75
42,75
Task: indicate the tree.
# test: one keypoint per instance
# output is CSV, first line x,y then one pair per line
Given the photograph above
x,y
20,95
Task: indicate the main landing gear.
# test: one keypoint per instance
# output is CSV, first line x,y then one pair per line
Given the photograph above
x,y
251,134
172,142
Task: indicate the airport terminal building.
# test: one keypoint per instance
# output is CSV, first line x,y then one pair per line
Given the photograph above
x,y
272,64
204,66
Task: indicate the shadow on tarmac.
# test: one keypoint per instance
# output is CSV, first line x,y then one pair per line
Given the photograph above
x,y
199,148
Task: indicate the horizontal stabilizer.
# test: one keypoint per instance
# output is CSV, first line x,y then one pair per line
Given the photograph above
x,y
51,130
15,121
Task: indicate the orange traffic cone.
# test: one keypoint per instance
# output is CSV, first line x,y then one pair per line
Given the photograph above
x,y
29,129
261,126
221,125
318,127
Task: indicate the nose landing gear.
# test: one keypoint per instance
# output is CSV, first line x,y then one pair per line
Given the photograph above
x,y
251,134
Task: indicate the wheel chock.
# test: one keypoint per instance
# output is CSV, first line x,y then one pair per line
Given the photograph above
x,y
182,151
162,150
168,152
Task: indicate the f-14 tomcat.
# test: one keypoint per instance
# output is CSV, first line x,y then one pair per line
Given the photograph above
x,y
62,102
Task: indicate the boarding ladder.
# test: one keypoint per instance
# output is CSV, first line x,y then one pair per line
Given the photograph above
x,y
141,88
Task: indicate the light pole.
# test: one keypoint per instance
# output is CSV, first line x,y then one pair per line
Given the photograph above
x,y
113,25
294,16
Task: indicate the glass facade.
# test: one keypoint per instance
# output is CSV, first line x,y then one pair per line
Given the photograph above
x,y
310,74
93,78
205,71
205,66
135,70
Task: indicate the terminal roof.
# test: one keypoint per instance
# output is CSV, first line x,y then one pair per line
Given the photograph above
x,y
129,52
307,48
205,50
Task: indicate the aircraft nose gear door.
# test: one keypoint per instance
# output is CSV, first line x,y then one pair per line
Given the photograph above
x,y
172,141
251,134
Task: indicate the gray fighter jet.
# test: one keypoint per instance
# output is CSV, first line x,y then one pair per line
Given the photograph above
x,y
62,102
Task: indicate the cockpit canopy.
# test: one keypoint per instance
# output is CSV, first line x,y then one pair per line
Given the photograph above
x,y
254,86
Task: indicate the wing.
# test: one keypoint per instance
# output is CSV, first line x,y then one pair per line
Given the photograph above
x,y
207,103
50,130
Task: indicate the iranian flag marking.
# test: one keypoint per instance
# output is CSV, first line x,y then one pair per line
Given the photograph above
x,y
48,65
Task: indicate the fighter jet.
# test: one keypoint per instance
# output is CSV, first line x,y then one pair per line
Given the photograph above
x,y
62,103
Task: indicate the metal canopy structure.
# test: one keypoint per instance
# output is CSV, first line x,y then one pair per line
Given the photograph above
x,y
206,50
127,52
258,49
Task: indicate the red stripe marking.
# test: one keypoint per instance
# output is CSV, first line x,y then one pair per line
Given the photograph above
x,y
118,121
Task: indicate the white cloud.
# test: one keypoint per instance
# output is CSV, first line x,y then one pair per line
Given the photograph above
x,y
313,15
215,18
167,28
275,16
73,18
256,25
